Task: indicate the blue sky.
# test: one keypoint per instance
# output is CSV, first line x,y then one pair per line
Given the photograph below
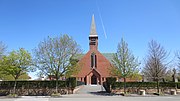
x,y
24,23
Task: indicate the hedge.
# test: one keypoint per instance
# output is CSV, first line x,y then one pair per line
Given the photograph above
x,y
79,83
31,84
147,84
70,82
112,84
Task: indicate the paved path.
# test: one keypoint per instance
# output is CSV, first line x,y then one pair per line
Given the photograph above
x,y
89,89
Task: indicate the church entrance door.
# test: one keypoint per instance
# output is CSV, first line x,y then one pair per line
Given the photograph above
x,y
93,79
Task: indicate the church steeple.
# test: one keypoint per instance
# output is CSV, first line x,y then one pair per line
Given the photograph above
x,y
93,32
93,37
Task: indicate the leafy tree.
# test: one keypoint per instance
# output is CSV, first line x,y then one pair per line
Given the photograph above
x,y
73,68
125,63
16,64
25,76
6,77
156,63
53,56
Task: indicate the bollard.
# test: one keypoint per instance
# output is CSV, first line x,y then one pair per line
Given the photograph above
x,y
142,92
173,92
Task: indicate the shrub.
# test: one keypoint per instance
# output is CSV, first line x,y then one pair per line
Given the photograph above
x,y
109,84
79,83
71,82
111,81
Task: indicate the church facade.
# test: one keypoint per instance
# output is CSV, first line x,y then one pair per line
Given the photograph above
x,y
94,66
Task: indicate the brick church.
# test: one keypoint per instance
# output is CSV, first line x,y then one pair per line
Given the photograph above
x,y
95,66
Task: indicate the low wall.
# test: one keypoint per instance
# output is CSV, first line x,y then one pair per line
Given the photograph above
x,y
147,90
35,92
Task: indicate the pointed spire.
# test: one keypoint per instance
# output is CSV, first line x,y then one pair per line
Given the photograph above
x,y
93,32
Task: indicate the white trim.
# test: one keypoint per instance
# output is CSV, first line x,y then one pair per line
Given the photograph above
x,y
92,35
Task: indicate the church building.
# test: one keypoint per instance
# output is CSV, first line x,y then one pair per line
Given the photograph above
x,y
94,66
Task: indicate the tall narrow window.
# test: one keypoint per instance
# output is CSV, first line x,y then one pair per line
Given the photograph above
x,y
93,61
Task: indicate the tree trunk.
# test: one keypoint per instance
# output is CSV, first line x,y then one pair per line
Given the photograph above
x,y
158,86
14,89
56,85
28,87
124,85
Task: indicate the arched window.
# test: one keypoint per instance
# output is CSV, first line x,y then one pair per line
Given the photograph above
x,y
93,61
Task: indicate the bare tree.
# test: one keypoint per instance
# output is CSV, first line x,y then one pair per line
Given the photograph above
x,y
178,64
53,56
125,63
178,57
2,48
2,51
156,63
